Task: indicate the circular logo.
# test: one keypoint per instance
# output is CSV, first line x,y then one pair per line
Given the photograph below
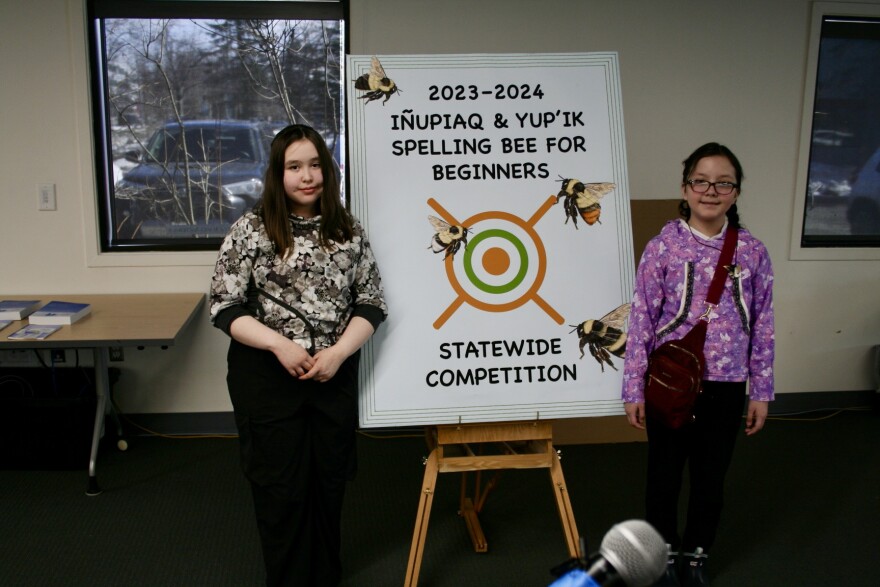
x,y
503,265
495,261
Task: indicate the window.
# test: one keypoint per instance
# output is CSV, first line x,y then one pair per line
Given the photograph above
x,y
186,98
841,191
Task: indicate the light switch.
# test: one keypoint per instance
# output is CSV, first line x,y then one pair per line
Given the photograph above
x,y
46,193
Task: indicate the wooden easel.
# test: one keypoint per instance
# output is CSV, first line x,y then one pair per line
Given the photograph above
x,y
510,445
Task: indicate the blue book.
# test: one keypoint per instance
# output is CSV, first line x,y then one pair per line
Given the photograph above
x,y
17,309
57,312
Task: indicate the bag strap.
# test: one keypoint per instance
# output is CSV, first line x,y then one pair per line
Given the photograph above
x,y
717,285
296,312
697,335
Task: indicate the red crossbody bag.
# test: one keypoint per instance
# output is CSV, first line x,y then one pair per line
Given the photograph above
x,y
675,368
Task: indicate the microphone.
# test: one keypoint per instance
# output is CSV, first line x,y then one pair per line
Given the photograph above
x,y
632,553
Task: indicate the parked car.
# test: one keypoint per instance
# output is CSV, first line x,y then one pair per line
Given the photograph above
x,y
193,179
864,208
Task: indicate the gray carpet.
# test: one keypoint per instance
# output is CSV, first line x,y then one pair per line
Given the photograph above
x,y
803,509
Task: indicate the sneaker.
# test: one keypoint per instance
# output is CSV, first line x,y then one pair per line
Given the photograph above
x,y
693,572
669,578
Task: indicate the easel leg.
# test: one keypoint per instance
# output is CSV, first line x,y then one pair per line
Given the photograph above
x,y
481,497
429,484
563,504
526,445
470,508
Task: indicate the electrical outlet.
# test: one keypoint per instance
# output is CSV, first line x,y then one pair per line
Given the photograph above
x,y
116,354
58,356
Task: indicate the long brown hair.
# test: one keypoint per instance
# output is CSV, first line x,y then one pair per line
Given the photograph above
x,y
335,223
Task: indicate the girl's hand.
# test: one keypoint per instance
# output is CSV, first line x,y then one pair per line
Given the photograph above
x,y
635,414
328,361
325,365
250,331
756,416
295,359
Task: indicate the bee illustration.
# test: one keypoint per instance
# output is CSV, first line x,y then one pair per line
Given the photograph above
x,y
582,199
605,336
448,237
375,83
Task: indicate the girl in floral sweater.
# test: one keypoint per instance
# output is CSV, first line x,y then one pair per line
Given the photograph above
x,y
671,285
297,289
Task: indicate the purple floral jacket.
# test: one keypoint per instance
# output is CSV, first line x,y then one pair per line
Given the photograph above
x,y
671,284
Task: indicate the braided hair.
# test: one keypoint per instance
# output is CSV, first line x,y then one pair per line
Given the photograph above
x,y
711,150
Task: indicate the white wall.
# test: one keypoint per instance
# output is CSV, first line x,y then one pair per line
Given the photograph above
x,y
691,71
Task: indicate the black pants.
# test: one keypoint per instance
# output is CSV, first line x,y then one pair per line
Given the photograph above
x,y
707,446
297,450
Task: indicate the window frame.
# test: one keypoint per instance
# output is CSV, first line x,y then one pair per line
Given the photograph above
x,y
815,247
108,243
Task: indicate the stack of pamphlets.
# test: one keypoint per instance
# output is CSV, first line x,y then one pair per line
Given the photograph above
x,y
59,313
33,332
17,309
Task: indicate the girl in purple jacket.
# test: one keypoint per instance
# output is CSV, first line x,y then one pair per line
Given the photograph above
x,y
672,280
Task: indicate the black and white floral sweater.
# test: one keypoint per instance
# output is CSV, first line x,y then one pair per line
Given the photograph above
x,y
308,297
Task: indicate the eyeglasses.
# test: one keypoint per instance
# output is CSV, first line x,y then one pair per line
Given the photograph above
x,y
722,188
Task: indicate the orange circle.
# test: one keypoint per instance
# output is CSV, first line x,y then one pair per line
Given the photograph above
x,y
496,261
541,264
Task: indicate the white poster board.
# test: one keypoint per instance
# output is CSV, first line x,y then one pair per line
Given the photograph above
x,y
484,142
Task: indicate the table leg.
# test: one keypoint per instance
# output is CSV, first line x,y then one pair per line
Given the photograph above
x,y
102,388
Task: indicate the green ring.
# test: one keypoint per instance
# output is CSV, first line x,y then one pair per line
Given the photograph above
x,y
523,260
